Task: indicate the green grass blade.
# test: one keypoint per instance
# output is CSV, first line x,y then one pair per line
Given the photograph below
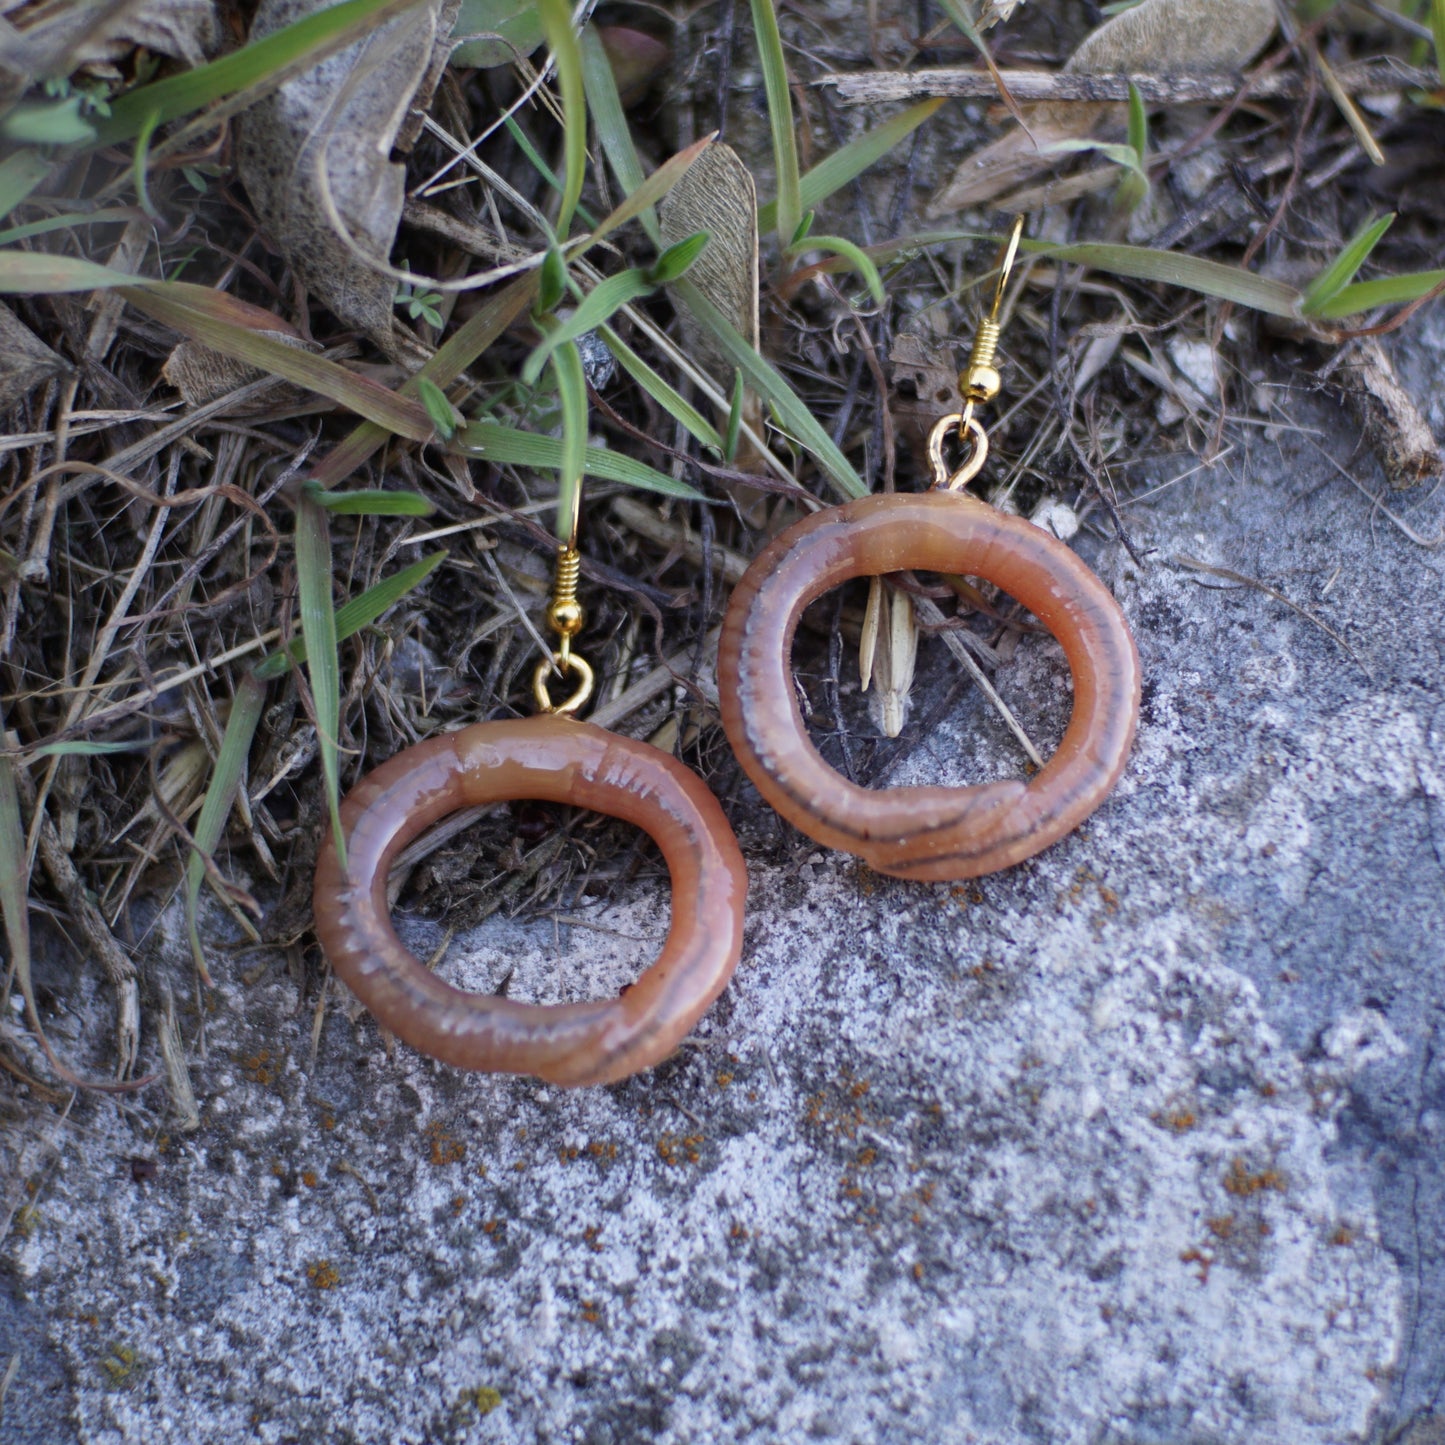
x,y
541,166
613,133
19,175
1382,291
780,118
355,614
768,383
469,341
854,255
1437,29
1209,278
140,165
1138,124
677,260
599,305
735,419
562,40
835,171
67,222
508,446
91,750
382,596
572,392
652,190
226,776
264,63
35,273
245,716
367,503
318,628
661,391
1124,156
48,123
15,884
1341,271
200,313
442,413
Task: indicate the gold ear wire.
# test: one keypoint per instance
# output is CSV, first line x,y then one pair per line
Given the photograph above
x,y
565,617
978,382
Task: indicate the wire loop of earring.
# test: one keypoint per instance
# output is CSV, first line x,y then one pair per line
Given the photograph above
x,y
931,833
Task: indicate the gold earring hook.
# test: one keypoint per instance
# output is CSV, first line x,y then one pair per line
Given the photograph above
x,y
566,618
978,382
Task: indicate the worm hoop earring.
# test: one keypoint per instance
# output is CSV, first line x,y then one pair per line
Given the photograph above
x,y
930,832
555,758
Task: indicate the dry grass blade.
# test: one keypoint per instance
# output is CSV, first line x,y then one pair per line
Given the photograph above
x,y
14,903
178,1076
196,311
8,1378
930,616
959,15
649,193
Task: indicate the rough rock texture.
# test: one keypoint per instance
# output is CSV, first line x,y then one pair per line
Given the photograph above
x,y
1140,1142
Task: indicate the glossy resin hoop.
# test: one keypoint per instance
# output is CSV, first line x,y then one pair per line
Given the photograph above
x,y
558,760
926,832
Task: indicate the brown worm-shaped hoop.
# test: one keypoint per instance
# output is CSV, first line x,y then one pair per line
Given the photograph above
x,y
557,760
926,832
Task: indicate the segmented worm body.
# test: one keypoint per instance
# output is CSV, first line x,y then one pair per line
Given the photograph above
x,y
558,760
926,832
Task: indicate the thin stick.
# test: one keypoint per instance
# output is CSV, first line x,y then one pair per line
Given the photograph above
x,y
652,684
1231,576
872,87
929,614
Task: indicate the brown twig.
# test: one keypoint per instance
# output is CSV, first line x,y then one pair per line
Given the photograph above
x,y
875,87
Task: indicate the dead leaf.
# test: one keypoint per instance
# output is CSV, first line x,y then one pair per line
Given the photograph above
x,y
315,156
58,37
925,387
1179,37
25,362
717,195
202,375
